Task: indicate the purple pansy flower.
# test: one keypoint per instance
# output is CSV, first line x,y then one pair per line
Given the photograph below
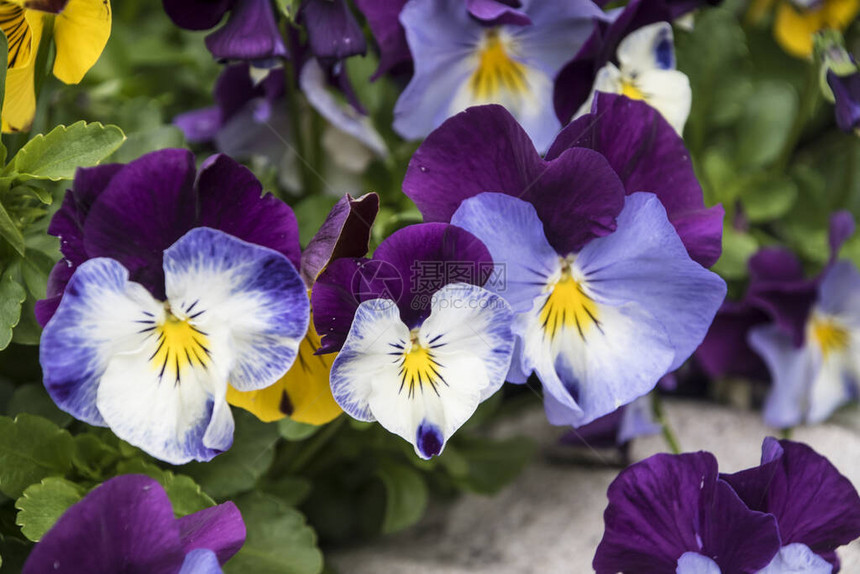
x,y
420,342
461,61
846,92
127,525
170,287
597,319
250,33
617,428
816,508
603,51
333,32
673,514
725,351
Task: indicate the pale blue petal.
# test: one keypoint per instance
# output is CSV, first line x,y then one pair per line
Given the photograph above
x,y
252,292
645,263
839,293
510,228
200,561
694,563
100,315
796,558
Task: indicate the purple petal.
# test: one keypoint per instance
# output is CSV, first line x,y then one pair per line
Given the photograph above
x,y
777,287
345,233
196,14
251,33
219,528
230,201
342,286
333,32
846,91
577,195
599,433
648,155
384,22
813,503
497,13
145,208
419,252
124,525
234,89
841,228
668,505
199,126
725,350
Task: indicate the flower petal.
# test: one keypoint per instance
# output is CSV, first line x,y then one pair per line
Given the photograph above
x,y
669,92
251,292
200,561
251,33
219,529
633,264
649,48
81,32
695,563
382,17
196,14
95,320
797,558
127,521
492,11
813,503
424,389
333,32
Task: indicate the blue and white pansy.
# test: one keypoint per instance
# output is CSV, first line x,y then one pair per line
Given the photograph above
x,y
646,71
421,343
156,372
461,61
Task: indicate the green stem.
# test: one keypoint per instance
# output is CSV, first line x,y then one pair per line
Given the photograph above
x,y
315,444
668,433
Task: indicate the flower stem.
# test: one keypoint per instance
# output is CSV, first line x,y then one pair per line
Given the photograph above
x,y
660,416
315,444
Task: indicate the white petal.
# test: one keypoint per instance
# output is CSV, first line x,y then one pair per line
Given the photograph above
x,y
648,48
607,80
667,91
424,385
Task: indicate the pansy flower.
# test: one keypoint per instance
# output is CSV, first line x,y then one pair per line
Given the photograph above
x,y
461,61
616,429
333,32
810,345
250,33
634,55
127,525
797,21
170,288
304,393
816,508
587,266
81,29
672,514
420,342
846,92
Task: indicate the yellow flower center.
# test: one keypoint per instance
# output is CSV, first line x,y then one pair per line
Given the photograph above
x,y
567,307
497,71
629,89
829,335
418,367
179,346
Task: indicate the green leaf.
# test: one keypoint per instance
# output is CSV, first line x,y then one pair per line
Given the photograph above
x,y
288,8
31,448
43,504
406,498
278,541
139,143
492,464
296,431
58,154
737,249
763,129
32,398
238,469
92,456
10,232
767,199
185,495
12,296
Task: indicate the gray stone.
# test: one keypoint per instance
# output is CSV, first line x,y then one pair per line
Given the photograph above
x,y
550,519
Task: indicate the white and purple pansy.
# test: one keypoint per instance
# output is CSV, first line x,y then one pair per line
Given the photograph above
x,y
421,343
173,284
462,61
606,295
156,372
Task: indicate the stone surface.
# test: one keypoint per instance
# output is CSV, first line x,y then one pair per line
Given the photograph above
x,y
551,519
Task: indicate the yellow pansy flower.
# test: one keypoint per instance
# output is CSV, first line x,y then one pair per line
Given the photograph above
x,y
303,394
80,28
797,21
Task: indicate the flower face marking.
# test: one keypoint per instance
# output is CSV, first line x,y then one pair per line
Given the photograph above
x,y
568,306
497,70
417,367
179,346
18,33
830,336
